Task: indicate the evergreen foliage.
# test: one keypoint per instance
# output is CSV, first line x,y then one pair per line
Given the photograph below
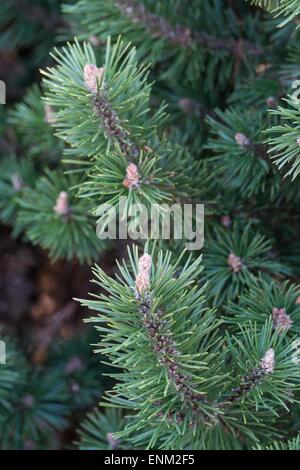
x,y
27,32
62,219
37,401
97,431
191,397
159,102
292,444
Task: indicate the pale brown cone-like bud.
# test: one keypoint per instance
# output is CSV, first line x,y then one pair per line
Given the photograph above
x,y
17,182
132,176
261,68
74,364
297,301
62,204
241,139
28,400
298,141
268,361
297,20
188,106
111,440
280,319
93,77
234,262
49,114
226,221
142,281
271,101
95,41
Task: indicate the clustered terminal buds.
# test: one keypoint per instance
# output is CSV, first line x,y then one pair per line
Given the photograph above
x,y
268,361
280,319
93,77
62,204
234,262
132,176
242,139
142,281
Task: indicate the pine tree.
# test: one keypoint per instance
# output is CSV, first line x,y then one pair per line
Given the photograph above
x,y
163,102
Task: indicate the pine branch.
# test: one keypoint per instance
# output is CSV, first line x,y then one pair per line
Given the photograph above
x,y
181,36
283,139
249,382
182,50
151,327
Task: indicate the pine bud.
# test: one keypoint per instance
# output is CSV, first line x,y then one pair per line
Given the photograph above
x,y
75,387
280,319
132,176
271,101
298,141
62,204
297,301
142,281
268,361
234,262
188,106
29,444
74,364
95,41
28,400
49,114
111,440
17,182
226,221
93,77
262,68
241,139
297,20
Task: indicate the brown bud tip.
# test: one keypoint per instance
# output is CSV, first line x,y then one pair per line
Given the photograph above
x,y
62,204
17,182
49,114
226,221
111,440
142,281
93,77
28,400
298,141
188,106
241,139
271,101
261,68
74,364
297,301
75,387
132,176
268,361
280,319
234,262
95,41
